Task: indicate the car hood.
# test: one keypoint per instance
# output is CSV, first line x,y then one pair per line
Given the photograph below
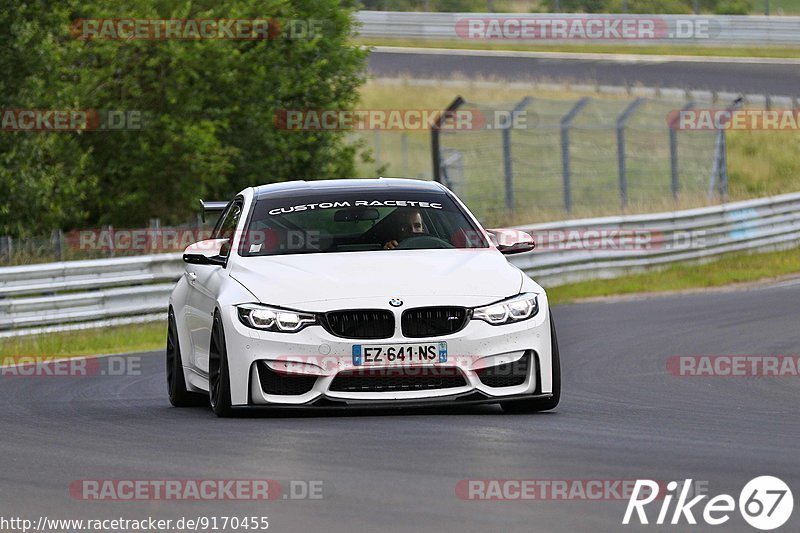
x,y
287,280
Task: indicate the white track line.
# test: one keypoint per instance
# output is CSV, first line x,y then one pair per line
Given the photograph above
x,y
613,58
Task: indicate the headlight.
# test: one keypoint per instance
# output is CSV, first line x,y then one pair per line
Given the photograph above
x,y
514,309
274,319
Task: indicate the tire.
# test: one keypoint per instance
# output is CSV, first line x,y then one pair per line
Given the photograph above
x,y
219,382
179,396
535,405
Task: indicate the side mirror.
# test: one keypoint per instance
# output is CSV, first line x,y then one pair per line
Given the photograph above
x,y
511,241
206,252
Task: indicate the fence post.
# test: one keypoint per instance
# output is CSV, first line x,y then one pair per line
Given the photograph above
x,y
673,152
715,165
155,229
436,154
57,241
623,170
508,169
6,248
565,171
109,230
723,182
719,168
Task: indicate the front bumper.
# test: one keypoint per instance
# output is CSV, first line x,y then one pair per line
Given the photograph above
x,y
323,403
318,358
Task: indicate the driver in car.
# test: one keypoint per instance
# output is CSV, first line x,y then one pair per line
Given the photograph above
x,y
410,224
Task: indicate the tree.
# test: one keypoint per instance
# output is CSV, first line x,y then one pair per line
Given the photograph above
x,y
207,109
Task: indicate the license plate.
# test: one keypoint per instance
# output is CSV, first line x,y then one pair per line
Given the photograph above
x,y
399,354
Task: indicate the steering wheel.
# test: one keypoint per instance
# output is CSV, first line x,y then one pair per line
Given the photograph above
x,y
423,242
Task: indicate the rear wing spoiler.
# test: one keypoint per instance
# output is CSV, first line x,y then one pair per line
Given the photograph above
x,y
211,206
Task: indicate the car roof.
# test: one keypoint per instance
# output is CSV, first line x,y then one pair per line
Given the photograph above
x,y
351,185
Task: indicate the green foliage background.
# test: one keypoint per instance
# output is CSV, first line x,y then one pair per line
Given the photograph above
x,y
208,106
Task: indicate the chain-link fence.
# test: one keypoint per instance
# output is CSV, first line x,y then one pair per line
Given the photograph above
x,y
580,156
568,158
103,242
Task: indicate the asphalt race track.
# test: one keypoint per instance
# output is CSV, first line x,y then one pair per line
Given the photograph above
x,y
747,78
622,417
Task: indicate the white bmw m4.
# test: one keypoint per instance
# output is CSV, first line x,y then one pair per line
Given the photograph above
x,y
365,292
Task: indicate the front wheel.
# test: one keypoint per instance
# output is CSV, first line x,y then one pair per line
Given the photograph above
x,y
179,395
535,405
219,381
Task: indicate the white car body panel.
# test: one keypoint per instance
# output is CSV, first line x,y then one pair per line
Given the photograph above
x,y
336,276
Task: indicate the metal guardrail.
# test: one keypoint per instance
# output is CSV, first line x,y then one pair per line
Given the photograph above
x,y
89,274
73,294
708,29
691,235
81,294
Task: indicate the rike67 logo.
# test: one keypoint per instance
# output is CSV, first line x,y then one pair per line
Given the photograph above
x,y
765,503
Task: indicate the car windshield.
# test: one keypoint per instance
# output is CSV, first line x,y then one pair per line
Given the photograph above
x,y
357,221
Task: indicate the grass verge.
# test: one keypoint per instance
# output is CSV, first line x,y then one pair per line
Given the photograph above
x,y
100,341
729,269
782,52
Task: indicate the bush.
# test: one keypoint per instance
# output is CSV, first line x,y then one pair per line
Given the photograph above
x,y
578,6
655,7
733,7
209,109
